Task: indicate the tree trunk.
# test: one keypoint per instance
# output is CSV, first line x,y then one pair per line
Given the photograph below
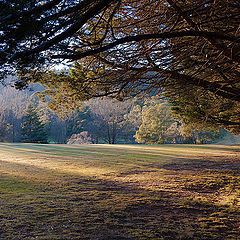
x,y
194,138
109,135
114,134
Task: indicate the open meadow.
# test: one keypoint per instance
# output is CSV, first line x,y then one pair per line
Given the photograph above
x,y
119,192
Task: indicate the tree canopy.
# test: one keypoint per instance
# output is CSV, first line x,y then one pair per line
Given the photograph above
x,y
129,47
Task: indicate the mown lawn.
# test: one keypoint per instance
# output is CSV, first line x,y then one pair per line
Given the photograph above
x,y
119,192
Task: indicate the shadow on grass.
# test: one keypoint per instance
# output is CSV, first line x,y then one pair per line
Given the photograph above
x,y
77,207
196,165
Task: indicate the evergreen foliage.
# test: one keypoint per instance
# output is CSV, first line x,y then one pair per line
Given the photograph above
x,y
156,123
33,129
76,122
160,125
124,48
104,120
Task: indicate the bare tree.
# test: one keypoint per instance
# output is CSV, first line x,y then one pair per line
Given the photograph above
x,y
107,119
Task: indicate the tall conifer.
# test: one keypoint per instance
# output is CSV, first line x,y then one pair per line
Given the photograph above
x,y
33,129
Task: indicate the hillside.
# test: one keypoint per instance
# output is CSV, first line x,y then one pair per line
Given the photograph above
x,y
230,140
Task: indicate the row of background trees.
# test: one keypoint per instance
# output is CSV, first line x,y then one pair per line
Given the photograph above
x,y
187,50
24,118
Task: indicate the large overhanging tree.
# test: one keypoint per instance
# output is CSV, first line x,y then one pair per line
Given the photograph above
x,y
188,50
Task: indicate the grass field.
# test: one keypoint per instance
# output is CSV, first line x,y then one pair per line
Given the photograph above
x,y
119,192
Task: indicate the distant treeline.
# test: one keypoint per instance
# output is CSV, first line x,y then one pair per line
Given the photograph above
x,y
23,118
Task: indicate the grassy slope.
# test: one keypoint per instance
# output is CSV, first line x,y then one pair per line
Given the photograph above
x,y
119,192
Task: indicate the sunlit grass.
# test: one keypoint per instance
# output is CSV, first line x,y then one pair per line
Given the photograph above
x,y
119,191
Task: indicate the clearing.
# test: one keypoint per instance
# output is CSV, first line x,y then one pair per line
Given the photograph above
x,y
102,192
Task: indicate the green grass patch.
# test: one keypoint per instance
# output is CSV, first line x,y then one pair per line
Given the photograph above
x,y
13,186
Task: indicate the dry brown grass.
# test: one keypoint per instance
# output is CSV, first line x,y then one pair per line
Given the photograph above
x,y
119,192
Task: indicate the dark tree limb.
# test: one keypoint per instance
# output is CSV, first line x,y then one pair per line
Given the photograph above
x,y
138,38
90,13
